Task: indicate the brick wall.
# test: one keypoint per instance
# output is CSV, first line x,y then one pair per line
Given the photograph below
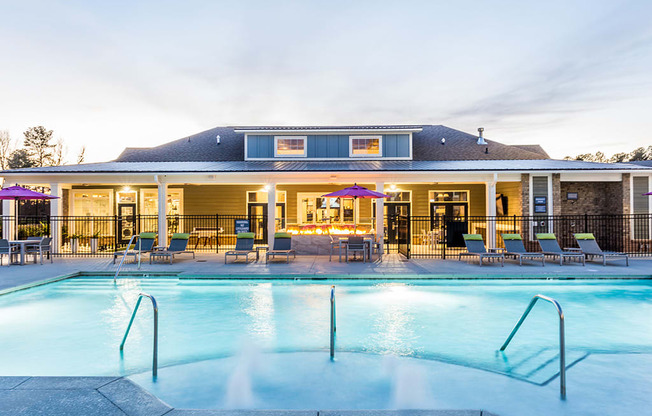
x,y
594,198
556,194
525,194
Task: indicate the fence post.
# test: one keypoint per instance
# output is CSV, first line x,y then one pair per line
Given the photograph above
x,y
586,223
444,238
217,233
115,231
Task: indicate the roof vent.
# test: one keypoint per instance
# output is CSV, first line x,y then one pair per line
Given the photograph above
x,y
219,140
443,140
481,141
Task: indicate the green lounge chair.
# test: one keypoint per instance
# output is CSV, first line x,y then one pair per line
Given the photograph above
x,y
514,247
475,247
244,245
145,244
590,248
178,245
282,247
550,247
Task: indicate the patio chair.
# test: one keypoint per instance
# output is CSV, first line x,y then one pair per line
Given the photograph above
x,y
335,243
356,244
43,245
550,247
590,248
475,247
146,241
6,250
178,245
244,245
377,247
282,247
514,247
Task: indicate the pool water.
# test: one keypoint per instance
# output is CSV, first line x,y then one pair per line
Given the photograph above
x,y
74,326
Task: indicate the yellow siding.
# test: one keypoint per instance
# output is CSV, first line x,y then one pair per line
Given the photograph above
x,y
421,203
512,190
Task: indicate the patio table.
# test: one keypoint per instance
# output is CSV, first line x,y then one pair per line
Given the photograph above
x,y
22,244
368,242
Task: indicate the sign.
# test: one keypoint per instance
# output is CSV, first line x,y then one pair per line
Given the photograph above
x,y
571,196
540,209
540,200
241,226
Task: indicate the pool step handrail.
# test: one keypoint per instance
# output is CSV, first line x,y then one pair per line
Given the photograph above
x,y
333,326
131,321
124,256
562,338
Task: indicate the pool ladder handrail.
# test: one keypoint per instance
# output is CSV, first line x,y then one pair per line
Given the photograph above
x,y
131,321
124,256
562,338
333,326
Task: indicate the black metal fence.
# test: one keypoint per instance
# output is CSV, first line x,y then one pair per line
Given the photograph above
x,y
441,237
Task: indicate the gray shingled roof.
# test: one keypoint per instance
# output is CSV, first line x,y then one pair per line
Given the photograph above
x,y
426,146
333,166
535,148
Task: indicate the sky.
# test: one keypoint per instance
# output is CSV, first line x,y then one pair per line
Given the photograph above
x,y
573,76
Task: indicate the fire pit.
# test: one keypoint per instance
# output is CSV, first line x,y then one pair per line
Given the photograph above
x,y
315,238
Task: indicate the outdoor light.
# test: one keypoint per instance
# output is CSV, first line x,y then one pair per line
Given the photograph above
x,y
392,187
266,188
443,140
126,189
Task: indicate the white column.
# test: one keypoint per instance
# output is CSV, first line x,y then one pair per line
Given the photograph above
x,y
162,214
56,210
491,212
271,212
380,213
8,210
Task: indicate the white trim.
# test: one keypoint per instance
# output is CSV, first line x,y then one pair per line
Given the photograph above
x,y
365,156
277,138
385,201
333,130
141,198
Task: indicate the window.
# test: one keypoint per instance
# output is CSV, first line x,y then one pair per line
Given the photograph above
x,y
149,202
365,146
92,202
290,146
449,196
314,209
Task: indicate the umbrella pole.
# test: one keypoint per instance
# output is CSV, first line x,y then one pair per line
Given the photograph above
x,y
16,219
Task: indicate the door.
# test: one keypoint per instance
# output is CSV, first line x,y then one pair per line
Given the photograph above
x,y
258,210
392,210
126,222
457,223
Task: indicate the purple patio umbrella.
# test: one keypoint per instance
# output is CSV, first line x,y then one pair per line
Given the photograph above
x,y
18,193
356,192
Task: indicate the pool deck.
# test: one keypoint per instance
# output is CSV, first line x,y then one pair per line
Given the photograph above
x,y
392,266
120,396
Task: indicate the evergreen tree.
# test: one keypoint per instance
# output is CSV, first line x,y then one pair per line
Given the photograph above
x,y
37,143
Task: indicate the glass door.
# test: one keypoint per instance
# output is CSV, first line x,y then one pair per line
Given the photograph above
x,y
126,222
391,211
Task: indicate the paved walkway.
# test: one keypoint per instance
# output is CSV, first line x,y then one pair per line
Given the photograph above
x,y
392,266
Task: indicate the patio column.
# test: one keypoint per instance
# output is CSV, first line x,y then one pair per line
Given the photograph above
x,y
162,214
8,210
490,186
56,206
271,212
380,214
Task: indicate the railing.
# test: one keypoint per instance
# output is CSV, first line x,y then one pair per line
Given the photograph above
x,y
562,338
131,321
441,236
333,326
124,256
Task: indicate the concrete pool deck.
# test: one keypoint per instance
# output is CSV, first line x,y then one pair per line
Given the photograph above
x,y
392,266
119,396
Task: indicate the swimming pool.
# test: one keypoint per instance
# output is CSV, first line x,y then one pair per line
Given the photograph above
x,y
74,326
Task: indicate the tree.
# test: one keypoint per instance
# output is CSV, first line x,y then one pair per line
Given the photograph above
x,y
19,159
82,155
37,144
59,155
5,149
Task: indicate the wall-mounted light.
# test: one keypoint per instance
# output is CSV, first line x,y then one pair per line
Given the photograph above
x,y
392,187
266,188
126,189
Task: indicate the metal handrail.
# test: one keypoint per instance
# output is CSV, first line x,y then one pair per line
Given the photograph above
x,y
333,326
124,256
131,321
562,338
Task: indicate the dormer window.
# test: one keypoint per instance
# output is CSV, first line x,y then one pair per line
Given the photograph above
x,y
365,146
290,146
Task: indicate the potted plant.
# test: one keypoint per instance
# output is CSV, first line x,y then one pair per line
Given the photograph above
x,y
74,242
95,239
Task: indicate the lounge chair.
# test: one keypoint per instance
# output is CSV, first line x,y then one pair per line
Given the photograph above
x,y
550,247
178,245
6,250
244,245
475,247
41,246
145,243
514,247
590,248
282,247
